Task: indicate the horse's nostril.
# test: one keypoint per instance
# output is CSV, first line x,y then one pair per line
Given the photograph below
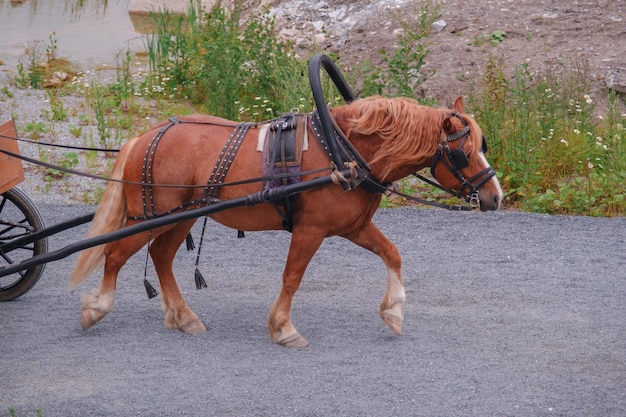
x,y
496,202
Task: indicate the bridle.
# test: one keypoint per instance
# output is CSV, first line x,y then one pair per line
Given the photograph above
x,y
456,161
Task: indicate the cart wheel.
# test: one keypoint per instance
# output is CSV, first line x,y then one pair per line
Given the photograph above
x,y
19,217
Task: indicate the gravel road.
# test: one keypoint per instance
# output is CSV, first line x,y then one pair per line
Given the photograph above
x,y
508,314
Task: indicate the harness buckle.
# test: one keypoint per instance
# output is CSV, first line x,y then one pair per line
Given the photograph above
x,y
337,176
474,200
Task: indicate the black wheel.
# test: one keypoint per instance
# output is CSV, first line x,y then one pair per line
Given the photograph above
x,y
19,217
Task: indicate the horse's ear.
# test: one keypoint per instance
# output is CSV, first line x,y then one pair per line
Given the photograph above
x,y
458,105
447,126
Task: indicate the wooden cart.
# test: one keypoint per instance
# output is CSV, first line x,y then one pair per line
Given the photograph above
x,y
18,218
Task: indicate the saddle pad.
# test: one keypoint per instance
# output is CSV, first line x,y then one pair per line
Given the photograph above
x,y
264,129
282,142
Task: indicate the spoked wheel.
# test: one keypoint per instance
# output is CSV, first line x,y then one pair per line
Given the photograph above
x,y
19,217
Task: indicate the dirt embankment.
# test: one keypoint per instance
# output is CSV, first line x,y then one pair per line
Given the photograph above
x,y
536,32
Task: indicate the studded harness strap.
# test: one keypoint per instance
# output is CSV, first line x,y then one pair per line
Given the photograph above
x,y
224,160
147,194
211,191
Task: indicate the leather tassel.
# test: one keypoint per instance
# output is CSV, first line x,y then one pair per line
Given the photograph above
x,y
240,234
150,289
190,244
200,282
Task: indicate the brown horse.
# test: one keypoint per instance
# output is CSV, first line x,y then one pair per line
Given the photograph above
x,y
397,137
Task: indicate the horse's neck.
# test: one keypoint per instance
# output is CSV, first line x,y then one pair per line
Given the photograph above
x,y
369,145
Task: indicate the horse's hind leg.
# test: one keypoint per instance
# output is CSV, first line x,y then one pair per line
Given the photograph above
x,y
163,250
392,306
100,302
304,244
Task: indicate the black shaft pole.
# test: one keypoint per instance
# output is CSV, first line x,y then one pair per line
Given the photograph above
x,y
45,232
264,196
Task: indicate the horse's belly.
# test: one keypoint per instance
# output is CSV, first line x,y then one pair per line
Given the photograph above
x,y
257,218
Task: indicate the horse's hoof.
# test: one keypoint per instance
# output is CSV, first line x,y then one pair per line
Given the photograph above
x,y
193,327
293,340
87,318
393,322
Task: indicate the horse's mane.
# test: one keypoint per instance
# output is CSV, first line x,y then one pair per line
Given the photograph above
x,y
410,132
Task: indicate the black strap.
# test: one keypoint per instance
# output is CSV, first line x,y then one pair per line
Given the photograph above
x,y
389,189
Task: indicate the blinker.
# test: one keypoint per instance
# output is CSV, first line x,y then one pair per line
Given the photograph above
x,y
458,159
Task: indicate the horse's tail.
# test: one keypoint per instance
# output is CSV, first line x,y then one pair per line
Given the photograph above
x,y
110,216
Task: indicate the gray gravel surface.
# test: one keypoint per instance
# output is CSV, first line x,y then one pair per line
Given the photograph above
x,y
508,314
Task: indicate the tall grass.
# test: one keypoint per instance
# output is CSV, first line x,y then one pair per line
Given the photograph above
x,y
212,59
553,150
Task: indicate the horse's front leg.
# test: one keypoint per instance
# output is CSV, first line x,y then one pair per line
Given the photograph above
x,y
392,307
304,244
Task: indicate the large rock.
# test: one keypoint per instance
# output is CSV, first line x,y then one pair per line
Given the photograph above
x,y
616,79
141,11
146,7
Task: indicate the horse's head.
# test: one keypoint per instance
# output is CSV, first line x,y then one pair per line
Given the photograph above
x,y
460,164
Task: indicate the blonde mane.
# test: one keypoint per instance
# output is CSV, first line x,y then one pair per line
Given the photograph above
x,y
410,132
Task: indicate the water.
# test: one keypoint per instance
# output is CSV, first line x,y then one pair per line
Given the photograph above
x,y
90,36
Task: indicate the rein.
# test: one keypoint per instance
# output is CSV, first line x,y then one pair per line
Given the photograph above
x,y
57,145
99,177
391,190
341,152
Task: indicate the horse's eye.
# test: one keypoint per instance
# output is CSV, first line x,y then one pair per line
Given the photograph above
x,y
484,145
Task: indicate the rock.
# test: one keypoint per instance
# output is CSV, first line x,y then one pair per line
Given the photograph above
x,y
288,33
320,38
318,24
52,83
60,75
616,80
544,17
145,7
338,14
439,25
